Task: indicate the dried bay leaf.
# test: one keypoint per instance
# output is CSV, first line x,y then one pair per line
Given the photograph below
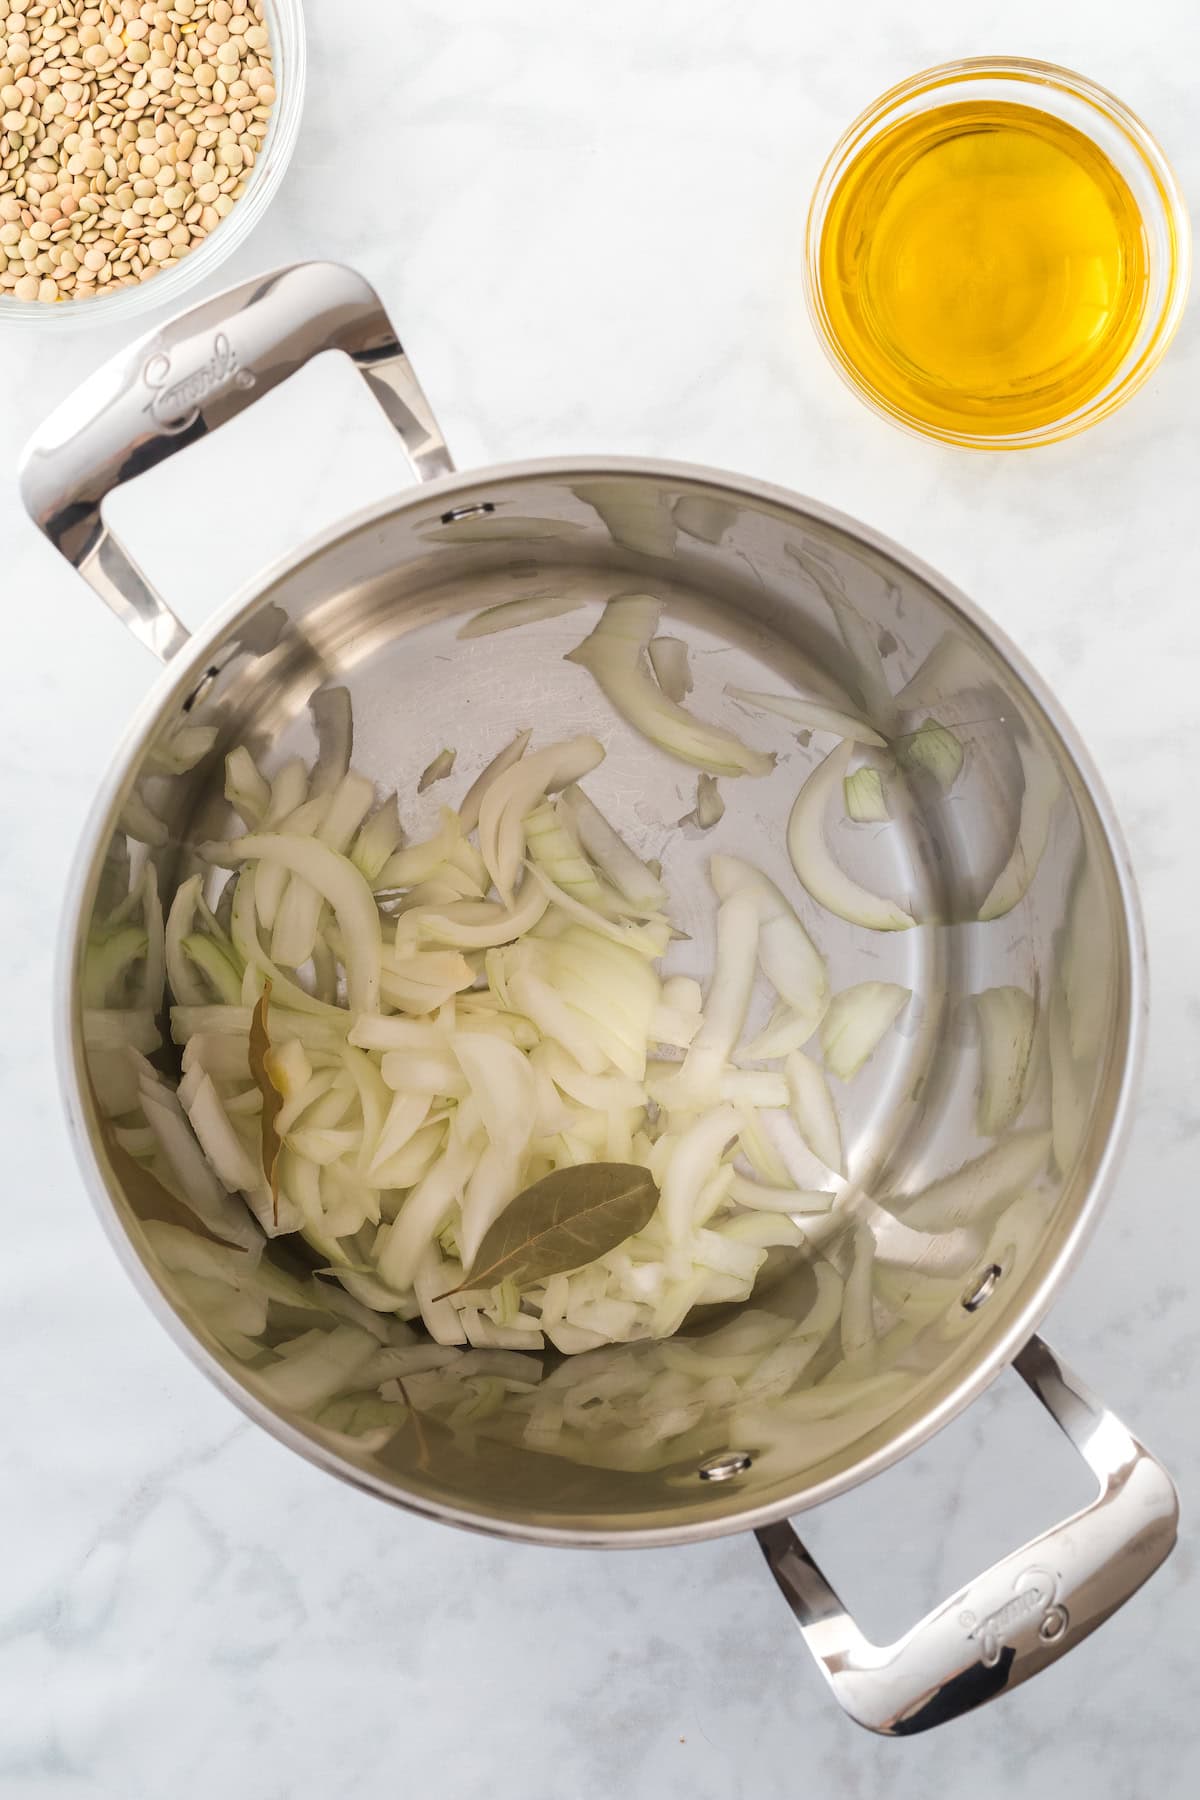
x,y
563,1221
259,1057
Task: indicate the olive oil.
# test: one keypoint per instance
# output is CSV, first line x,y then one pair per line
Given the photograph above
x,y
983,267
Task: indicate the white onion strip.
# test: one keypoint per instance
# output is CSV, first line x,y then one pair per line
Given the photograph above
x,y
855,1023
615,655
824,878
810,715
813,1110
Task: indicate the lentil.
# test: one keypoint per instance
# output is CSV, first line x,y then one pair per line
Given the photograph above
x,y
128,131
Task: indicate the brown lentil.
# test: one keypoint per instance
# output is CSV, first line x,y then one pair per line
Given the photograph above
x,y
128,131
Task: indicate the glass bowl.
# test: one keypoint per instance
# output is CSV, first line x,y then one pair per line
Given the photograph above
x,y
285,21
1129,147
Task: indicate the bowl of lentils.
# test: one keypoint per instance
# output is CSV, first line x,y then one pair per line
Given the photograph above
x,y
140,142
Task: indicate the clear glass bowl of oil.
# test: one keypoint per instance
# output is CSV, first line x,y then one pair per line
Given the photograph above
x,y
997,254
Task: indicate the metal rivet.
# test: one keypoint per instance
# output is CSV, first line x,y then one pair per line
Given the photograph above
x,y
201,688
478,511
1053,1625
984,1288
724,1466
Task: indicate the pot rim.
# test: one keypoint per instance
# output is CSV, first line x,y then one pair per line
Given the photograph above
x,y
182,674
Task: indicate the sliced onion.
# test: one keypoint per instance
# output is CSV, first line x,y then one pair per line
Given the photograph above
x,y
339,882
615,655
709,809
437,770
787,955
672,669
857,1019
186,986
866,802
558,1021
825,880
285,991
761,1198
424,1211
692,1160
468,812
220,1142
754,1087
501,1079
810,715
628,874
813,1110
492,1183
377,839
649,940
245,789
786,1030
498,924
1041,790
512,794
698,1080
553,848
405,1117
294,935
759,1150
1007,1018
416,863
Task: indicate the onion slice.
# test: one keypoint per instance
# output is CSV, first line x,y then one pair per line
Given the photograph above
x,y
696,1153
338,881
866,802
856,1021
813,1110
672,670
698,1080
787,955
512,795
612,855
468,812
616,656
810,715
824,879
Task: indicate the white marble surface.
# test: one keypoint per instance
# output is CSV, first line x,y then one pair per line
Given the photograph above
x,y
587,219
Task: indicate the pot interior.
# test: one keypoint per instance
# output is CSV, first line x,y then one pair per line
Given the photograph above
x,y
643,1440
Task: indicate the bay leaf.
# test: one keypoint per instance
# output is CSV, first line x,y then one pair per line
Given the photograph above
x,y
563,1221
259,1058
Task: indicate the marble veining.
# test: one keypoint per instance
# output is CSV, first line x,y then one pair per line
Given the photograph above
x,y
587,221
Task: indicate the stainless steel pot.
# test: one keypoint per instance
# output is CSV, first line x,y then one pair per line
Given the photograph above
x,y
766,587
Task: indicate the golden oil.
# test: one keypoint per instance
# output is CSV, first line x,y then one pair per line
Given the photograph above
x,y
983,268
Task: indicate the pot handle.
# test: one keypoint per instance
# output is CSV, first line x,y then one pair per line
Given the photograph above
x,y
182,381
1024,1612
